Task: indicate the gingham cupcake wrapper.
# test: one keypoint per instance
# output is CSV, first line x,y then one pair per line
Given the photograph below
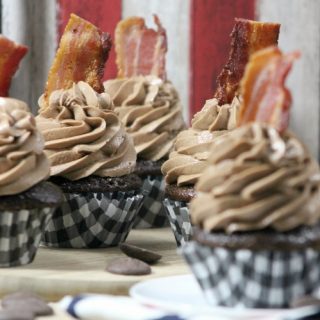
x,y
179,218
20,235
254,279
152,213
92,220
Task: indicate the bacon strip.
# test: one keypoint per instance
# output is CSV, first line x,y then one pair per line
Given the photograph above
x,y
265,97
247,37
81,56
11,54
140,50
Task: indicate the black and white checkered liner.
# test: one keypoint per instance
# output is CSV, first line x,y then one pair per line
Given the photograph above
x,y
254,279
152,213
20,235
92,220
179,218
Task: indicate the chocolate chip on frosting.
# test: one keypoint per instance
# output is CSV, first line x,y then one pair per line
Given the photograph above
x,y
83,136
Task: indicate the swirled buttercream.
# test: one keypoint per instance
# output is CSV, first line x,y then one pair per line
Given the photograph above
x,y
22,160
191,148
257,179
83,136
151,112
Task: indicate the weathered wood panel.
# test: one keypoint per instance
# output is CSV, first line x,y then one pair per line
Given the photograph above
x,y
212,22
175,17
300,30
32,23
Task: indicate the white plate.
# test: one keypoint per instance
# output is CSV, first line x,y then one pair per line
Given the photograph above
x,y
182,294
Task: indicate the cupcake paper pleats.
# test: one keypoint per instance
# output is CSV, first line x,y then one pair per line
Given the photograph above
x,y
179,219
92,220
20,235
152,213
253,279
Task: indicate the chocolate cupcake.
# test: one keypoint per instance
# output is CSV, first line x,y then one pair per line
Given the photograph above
x,y
188,160
92,159
218,116
26,200
150,108
257,209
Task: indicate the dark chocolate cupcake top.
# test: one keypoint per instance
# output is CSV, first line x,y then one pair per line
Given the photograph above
x,y
257,179
83,136
191,148
23,163
151,110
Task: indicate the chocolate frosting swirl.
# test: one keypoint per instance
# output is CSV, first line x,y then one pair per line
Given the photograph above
x,y
257,179
83,136
151,111
191,148
23,163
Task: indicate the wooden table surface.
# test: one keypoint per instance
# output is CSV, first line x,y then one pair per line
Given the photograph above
x,y
59,272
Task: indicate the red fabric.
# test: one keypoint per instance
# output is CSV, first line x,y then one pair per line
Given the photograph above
x,y
212,22
104,14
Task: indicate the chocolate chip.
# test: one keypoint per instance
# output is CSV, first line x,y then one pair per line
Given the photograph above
x,y
26,302
140,253
305,301
10,314
128,266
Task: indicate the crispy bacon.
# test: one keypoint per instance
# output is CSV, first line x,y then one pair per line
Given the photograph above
x,y
265,97
247,37
140,50
81,56
11,54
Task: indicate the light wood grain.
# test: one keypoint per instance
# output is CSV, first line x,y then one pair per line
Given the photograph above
x,y
32,23
300,27
59,272
58,314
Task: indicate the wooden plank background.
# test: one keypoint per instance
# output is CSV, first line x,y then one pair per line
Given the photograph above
x,y
300,29
198,32
212,22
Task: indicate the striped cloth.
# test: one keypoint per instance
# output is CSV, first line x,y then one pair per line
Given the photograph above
x,y
105,307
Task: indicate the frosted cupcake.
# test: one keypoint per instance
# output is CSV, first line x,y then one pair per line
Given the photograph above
x,y
149,106
257,210
91,155
218,116
26,200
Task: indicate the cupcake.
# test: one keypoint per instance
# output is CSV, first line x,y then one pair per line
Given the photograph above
x,y
256,214
91,155
149,106
26,200
218,116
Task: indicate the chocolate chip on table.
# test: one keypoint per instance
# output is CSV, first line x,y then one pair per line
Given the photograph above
x,y
128,266
10,314
305,301
26,302
140,253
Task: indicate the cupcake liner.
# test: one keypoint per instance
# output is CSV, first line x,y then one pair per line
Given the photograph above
x,y
92,220
152,213
179,218
253,279
20,235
